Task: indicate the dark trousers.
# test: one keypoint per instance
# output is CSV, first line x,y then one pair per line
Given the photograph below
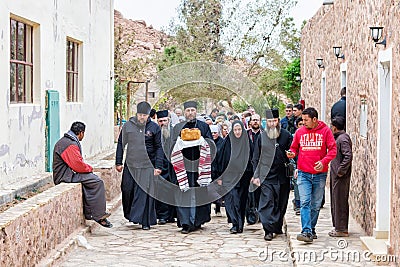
x,y
339,191
284,192
94,199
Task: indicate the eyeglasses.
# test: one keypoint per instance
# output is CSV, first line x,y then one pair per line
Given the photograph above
x,y
255,120
288,110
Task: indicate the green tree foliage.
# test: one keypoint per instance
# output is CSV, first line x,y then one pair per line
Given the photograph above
x,y
292,83
258,33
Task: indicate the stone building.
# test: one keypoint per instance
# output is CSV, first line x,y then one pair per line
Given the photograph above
x,y
370,73
56,65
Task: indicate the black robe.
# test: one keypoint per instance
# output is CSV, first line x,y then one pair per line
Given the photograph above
x,y
275,188
233,161
144,153
193,216
165,211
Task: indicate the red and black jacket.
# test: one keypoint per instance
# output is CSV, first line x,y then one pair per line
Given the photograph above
x,y
67,159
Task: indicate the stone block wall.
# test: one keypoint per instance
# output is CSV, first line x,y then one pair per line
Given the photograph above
x,y
346,24
112,180
30,230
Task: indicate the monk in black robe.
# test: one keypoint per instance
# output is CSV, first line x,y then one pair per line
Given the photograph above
x,y
270,174
191,217
144,161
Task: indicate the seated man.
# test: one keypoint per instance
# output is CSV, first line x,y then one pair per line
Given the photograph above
x,y
68,167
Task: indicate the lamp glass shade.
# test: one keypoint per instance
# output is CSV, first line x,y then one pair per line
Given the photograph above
x,y
376,33
320,62
337,50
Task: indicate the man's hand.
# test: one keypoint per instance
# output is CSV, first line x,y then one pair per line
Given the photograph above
x,y
219,182
119,168
318,166
255,181
290,154
296,173
157,172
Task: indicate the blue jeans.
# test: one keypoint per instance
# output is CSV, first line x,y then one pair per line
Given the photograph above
x,y
311,190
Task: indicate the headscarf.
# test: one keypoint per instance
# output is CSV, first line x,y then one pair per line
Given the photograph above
x,y
235,151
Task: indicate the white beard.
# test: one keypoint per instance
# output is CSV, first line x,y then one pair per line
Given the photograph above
x,y
165,132
273,133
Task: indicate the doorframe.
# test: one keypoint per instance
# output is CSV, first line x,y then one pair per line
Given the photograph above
x,y
384,146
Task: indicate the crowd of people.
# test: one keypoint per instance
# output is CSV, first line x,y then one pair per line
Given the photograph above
x,y
233,159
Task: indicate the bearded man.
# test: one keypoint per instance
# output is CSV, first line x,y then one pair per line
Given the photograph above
x,y
165,212
191,218
269,161
144,160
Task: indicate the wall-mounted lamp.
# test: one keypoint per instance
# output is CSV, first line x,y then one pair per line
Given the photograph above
x,y
320,63
376,34
338,52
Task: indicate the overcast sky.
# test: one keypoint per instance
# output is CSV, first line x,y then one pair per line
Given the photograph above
x,y
159,12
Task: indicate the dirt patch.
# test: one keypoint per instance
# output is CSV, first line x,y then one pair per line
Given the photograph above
x,y
20,199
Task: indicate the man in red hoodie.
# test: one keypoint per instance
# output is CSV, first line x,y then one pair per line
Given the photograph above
x,y
316,147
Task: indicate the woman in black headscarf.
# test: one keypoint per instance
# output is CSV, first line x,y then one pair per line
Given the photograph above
x,y
233,159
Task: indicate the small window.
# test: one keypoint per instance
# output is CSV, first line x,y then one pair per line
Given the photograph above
x,y
72,71
152,94
21,62
363,118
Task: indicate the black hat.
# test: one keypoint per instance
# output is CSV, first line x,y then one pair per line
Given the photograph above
x,y
152,112
162,114
190,104
143,108
272,113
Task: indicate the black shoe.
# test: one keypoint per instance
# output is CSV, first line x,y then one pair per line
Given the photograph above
x,y
268,237
145,227
185,229
105,223
279,232
171,220
162,221
297,210
314,234
233,230
306,237
240,230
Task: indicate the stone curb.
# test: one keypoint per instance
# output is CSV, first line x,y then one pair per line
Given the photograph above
x,y
9,192
71,242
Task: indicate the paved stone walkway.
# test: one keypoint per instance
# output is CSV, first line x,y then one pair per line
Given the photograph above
x,y
128,245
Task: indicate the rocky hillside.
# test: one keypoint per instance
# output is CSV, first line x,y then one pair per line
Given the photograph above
x,y
146,42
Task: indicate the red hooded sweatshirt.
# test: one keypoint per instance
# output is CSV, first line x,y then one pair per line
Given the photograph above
x,y
312,145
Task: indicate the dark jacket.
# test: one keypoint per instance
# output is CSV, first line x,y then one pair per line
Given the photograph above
x,y
144,145
288,124
339,108
341,165
253,139
67,159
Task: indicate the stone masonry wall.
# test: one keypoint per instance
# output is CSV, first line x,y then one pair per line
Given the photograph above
x,y
346,24
30,230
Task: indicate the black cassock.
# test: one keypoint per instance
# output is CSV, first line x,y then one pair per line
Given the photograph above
x,y
144,153
275,186
233,159
193,216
